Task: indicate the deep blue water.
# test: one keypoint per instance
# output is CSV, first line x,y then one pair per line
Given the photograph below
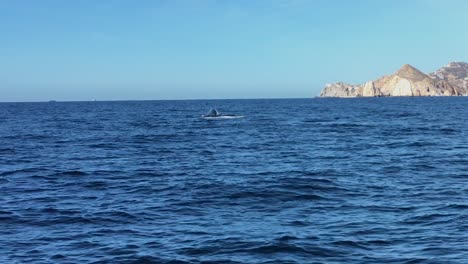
x,y
380,180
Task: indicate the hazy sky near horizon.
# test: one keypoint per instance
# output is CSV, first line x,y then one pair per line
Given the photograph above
x,y
175,49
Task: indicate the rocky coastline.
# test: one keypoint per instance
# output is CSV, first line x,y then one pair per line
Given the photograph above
x,y
450,80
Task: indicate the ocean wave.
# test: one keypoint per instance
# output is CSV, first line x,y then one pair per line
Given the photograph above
x,y
330,181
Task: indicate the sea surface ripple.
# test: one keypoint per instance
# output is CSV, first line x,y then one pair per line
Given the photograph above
x,y
378,180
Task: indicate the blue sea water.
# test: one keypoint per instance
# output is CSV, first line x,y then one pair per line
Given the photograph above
x,y
378,180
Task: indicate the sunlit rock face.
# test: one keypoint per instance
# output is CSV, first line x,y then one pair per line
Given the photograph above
x,y
452,80
455,73
339,90
402,88
369,90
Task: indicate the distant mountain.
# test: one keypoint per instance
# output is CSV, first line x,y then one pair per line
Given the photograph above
x,y
451,80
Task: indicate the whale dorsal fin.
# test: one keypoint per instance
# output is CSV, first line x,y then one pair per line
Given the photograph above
x,y
213,112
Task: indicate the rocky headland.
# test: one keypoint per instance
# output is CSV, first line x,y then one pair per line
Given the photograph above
x,y
450,80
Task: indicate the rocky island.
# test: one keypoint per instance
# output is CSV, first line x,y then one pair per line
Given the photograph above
x,y
450,80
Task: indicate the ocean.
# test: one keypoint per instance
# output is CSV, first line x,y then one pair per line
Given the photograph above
x,y
363,180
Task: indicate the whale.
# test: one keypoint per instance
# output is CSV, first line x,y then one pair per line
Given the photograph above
x,y
212,113
215,114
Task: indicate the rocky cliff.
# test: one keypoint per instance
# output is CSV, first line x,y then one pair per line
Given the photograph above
x,y
455,73
340,90
451,80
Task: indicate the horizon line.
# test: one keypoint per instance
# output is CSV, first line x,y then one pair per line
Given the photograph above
x,y
146,100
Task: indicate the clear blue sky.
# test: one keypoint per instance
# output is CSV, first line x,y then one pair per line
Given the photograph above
x,y
171,49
